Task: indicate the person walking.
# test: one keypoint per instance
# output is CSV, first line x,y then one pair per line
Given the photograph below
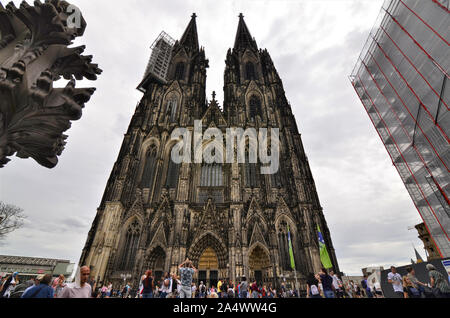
x,y
439,283
43,290
396,280
80,289
187,271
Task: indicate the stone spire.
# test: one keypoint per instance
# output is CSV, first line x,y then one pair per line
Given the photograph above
x,y
190,36
243,37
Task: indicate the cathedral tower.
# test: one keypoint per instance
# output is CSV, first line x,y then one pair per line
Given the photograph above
x,y
229,219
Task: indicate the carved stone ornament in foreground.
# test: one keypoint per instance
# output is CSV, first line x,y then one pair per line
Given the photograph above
x,y
34,53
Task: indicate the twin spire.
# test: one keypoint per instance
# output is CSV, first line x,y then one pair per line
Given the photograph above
x,y
243,37
190,36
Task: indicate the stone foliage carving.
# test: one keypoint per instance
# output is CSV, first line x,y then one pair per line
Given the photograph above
x,y
34,53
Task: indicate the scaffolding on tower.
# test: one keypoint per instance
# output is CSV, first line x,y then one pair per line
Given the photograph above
x,y
158,65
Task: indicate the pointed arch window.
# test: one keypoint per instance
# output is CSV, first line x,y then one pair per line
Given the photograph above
x,y
180,70
255,107
150,168
130,247
173,172
283,244
276,179
212,175
251,172
172,109
250,72
251,175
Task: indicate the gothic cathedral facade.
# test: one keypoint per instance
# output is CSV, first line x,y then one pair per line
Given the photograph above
x,y
229,219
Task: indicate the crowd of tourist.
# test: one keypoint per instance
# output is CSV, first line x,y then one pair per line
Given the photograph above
x,y
321,285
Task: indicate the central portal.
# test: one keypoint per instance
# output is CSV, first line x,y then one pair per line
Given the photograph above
x,y
208,268
259,262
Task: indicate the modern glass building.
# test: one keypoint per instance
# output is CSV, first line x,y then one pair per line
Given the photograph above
x,y
402,80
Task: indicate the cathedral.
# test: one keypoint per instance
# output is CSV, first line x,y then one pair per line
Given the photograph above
x,y
229,219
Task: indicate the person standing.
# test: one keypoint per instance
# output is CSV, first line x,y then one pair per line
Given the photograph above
x,y
176,286
396,280
378,290
166,286
243,288
80,289
417,284
327,283
366,287
219,288
312,287
409,291
43,290
337,284
8,285
187,271
439,283
59,285
254,290
202,290
148,285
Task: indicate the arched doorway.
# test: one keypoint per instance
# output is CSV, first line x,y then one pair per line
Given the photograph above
x,y
156,262
210,256
259,263
208,268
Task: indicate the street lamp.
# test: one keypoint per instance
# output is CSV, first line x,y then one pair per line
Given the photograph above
x,y
125,277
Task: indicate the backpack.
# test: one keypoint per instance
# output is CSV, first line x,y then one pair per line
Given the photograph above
x,y
314,290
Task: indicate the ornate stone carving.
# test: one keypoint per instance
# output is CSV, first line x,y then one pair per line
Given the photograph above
x,y
34,54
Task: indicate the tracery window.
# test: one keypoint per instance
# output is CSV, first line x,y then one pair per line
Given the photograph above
x,y
150,168
251,175
212,175
172,109
180,71
173,172
283,244
130,247
255,107
250,71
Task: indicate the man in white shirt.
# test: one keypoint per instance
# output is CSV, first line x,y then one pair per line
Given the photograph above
x,y
395,279
336,284
80,289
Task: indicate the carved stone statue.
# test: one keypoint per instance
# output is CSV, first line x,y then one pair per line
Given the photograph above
x,y
34,53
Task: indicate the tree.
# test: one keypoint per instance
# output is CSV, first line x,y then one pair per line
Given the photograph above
x,y
11,219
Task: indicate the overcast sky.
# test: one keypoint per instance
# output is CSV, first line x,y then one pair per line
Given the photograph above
x,y
314,45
